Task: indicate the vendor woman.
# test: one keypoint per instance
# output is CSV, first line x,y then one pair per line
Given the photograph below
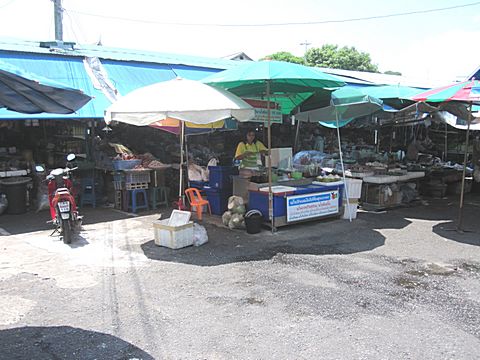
x,y
249,151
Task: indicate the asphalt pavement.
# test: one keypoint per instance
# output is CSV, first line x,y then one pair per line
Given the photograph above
x,y
400,284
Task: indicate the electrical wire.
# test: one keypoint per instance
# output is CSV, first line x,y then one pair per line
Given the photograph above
x,y
6,4
71,21
321,22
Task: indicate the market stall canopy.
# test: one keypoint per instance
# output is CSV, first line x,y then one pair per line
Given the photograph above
x,y
181,99
29,93
396,96
290,84
458,94
174,126
458,99
465,91
346,104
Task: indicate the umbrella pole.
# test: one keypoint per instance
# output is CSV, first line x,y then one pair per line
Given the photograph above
x,y
446,143
180,186
186,158
343,167
297,133
460,209
269,139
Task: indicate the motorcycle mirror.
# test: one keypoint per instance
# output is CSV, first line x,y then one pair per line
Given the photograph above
x,y
39,168
71,157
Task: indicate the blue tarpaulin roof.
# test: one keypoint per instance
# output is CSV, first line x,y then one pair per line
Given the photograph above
x,y
126,70
69,72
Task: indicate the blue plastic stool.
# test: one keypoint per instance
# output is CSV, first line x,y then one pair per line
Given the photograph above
x,y
158,196
133,197
87,193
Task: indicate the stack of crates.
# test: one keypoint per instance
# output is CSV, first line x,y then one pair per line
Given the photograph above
x,y
119,186
220,187
137,179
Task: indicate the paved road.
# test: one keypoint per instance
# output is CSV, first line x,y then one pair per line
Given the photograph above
x,y
394,285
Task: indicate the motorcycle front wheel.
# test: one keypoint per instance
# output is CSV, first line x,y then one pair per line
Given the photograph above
x,y
67,231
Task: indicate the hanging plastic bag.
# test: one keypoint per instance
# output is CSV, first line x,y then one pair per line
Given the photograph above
x,y
42,198
213,162
200,235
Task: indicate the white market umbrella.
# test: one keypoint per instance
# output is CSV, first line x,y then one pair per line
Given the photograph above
x,y
181,99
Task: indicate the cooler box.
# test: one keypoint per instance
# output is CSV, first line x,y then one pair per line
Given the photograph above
x,y
258,200
218,199
173,237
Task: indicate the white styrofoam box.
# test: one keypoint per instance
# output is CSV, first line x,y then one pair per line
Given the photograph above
x,y
281,157
354,188
173,237
351,209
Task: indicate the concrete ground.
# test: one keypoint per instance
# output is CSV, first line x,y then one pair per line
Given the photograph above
x,y
390,285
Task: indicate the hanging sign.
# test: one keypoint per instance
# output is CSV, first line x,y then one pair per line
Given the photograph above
x,y
308,206
261,111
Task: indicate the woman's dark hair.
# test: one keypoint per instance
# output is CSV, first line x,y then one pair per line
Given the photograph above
x,y
251,130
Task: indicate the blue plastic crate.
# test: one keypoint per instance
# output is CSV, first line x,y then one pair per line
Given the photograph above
x,y
197,184
220,177
125,164
218,199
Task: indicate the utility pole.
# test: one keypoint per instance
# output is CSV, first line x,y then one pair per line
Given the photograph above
x,y
58,16
306,43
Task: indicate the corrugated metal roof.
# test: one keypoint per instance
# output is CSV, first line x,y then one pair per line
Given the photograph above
x,y
119,54
350,76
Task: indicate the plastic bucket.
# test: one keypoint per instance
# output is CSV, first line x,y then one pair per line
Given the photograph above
x,y
253,221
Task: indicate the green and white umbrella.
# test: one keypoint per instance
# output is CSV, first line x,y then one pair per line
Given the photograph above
x,y
285,83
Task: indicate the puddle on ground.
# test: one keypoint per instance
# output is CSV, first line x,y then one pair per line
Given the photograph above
x,y
409,283
471,267
417,272
433,269
254,301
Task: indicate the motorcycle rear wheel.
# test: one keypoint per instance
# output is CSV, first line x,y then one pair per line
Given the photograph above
x,y
67,231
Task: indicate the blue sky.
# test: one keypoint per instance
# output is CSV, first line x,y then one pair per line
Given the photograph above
x,y
434,46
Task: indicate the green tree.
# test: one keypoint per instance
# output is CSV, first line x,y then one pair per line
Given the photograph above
x,y
389,72
346,58
285,56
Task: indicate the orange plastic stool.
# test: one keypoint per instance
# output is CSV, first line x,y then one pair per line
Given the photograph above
x,y
195,199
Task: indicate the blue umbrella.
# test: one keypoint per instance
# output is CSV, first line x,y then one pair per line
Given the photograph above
x,y
29,93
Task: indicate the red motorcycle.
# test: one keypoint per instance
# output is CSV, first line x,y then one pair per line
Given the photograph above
x,y
63,208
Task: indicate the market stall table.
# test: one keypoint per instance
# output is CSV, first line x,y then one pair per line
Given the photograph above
x,y
384,191
297,201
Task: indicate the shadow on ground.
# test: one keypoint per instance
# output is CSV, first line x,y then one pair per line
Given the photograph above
x,y
448,230
445,211
65,342
33,221
226,246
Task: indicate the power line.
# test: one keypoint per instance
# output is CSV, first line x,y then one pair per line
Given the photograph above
x,y
321,22
6,4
